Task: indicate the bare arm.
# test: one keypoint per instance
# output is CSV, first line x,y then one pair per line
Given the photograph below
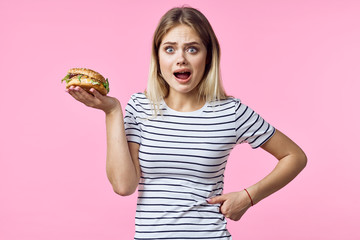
x,y
122,163
292,160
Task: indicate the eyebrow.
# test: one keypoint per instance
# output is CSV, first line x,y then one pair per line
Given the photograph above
x,y
186,44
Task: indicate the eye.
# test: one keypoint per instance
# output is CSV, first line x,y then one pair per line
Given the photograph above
x,y
169,49
192,50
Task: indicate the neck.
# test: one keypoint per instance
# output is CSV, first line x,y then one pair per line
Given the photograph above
x,y
184,102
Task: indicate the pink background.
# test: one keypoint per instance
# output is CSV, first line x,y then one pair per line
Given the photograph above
x,y
295,62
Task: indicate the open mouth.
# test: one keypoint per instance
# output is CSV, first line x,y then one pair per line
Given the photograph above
x,y
182,75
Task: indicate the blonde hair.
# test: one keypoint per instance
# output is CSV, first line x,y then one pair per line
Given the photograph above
x,y
210,87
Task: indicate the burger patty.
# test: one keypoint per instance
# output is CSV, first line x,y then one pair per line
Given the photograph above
x,y
73,75
77,74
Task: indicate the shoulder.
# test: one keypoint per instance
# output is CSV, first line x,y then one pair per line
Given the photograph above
x,y
239,106
234,106
222,108
138,100
230,103
139,104
224,103
138,97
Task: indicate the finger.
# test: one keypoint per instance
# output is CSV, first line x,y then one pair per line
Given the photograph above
x,y
218,199
84,96
96,93
73,93
77,92
81,95
69,89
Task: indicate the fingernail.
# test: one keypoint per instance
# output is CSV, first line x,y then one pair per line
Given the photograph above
x,y
208,199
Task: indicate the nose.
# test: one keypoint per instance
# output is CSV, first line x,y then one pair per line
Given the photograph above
x,y
181,60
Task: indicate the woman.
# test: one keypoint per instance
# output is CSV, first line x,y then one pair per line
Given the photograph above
x,y
175,139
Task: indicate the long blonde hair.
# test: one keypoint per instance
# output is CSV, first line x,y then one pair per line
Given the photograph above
x,y
210,87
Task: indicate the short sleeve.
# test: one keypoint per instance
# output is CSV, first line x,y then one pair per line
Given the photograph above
x,y
132,127
250,126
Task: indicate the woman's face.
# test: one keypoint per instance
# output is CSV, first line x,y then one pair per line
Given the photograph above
x,y
182,58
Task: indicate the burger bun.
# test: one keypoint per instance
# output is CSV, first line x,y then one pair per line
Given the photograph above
x,y
86,84
86,79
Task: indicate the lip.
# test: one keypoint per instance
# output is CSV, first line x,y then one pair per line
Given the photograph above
x,y
180,80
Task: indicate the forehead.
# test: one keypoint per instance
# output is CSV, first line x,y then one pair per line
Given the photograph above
x,y
181,33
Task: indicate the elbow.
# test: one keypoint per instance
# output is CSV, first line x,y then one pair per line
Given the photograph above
x,y
302,160
123,191
305,161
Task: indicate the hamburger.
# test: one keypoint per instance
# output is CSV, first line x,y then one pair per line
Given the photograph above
x,y
86,79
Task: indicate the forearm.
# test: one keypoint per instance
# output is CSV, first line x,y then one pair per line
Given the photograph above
x,y
285,171
120,168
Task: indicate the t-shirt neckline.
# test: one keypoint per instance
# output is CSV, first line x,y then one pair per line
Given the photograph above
x,y
196,112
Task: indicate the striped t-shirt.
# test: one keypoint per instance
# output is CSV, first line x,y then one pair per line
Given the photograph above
x,y
182,157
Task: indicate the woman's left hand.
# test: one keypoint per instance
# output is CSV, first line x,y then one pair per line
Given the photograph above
x,y
232,205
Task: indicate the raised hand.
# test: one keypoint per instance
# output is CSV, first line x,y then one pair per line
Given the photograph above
x,y
95,99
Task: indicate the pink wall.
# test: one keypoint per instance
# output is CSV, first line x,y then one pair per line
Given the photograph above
x,y
295,62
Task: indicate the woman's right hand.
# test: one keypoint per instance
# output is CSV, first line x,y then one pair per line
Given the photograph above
x,y
97,100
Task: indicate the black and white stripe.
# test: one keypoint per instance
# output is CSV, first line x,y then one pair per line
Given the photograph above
x,y
183,156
